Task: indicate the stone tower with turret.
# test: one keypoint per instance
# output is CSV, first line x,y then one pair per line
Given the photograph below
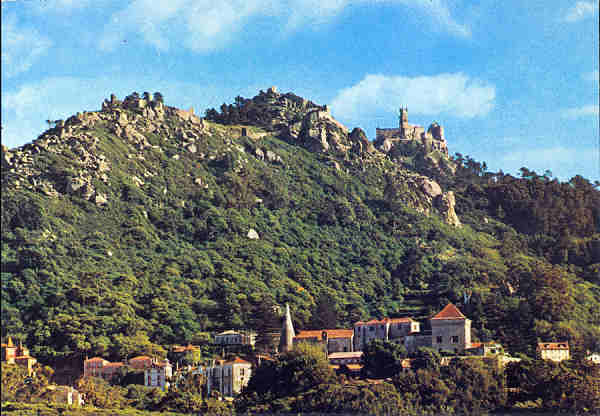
x,y
430,140
403,121
287,331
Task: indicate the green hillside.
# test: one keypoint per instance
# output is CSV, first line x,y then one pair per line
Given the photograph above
x,y
134,222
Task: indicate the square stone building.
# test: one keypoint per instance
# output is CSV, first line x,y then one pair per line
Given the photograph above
x,y
450,330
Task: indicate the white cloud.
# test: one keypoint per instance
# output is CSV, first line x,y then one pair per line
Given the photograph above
x,y
583,111
441,14
455,94
581,10
21,46
201,25
206,25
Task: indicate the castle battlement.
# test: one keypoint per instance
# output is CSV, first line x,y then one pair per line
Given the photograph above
x,y
431,140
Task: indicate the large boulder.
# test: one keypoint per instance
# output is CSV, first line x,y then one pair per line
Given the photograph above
x,y
445,204
430,187
320,132
360,142
100,199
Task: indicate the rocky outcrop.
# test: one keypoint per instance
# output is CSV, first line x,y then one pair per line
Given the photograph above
x,y
146,127
445,204
273,157
360,143
252,234
320,132
132,119
422,194
430,187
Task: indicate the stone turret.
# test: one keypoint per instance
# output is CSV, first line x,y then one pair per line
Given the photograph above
x,y
403,121
431,140
287,331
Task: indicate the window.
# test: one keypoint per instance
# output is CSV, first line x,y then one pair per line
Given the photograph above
x,y
242,372
455,339
439,340
371,329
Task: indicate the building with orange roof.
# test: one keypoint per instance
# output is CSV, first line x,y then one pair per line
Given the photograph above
x,y
93,367
141,362
554,351
384,329
332,340
450,330
228,378
108,371
17,354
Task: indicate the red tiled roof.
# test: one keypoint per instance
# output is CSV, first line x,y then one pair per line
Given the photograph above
x,y
96,359
313,333
140,357
480,344
372,322
237,360
449,312
376,321
384,321
400,320
553,345
339,333
162,364
331,333
110,365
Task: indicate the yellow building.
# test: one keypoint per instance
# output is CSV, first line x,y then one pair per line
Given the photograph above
x,y
228,378
13,354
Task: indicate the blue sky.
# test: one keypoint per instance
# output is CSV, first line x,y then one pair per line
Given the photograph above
x,y
515,83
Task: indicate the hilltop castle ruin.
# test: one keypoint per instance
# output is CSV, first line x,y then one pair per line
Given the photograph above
x,y
430,140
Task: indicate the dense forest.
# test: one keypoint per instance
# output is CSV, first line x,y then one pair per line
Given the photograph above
x,y
166,255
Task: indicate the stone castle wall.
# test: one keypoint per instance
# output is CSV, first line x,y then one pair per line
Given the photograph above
x,y
431,140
